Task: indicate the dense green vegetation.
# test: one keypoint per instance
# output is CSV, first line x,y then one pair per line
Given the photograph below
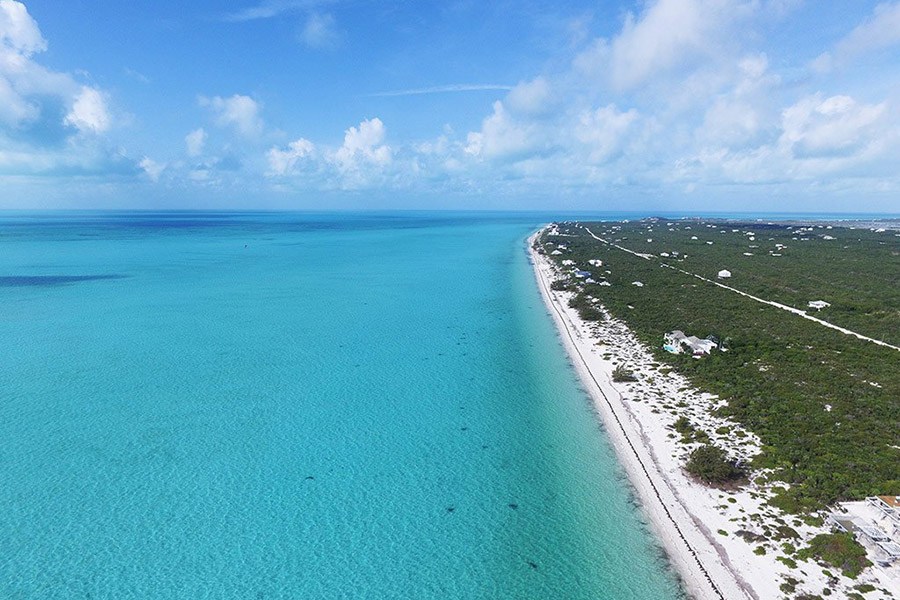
x,y
839,550
857,272
710,464
825,404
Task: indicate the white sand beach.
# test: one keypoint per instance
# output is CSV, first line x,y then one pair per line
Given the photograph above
x,y
702,529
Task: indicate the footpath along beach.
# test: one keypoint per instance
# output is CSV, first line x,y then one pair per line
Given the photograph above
x,y
700,527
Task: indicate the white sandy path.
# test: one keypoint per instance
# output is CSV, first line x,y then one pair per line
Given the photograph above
x,y
790,309
706,572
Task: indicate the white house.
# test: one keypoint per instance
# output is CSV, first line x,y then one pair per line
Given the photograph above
x,y
818,304
674,340
724,274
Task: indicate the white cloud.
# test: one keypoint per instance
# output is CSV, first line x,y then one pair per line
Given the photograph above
x,y
819,140
363,145
152,168
881,30
500,136
666,34
18,30
24,84
195,141
319,32
49,122
603,130
238,112
730,121
835,126
89,112
741,113
530,96
14,108
362,160
284,162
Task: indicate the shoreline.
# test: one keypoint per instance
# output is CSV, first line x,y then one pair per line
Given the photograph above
x,y
725,543
703,567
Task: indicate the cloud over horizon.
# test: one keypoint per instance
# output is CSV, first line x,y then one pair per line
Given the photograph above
x,y
49,121
677,98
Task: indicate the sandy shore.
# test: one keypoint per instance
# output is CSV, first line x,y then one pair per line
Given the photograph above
x,y
704,530
704,573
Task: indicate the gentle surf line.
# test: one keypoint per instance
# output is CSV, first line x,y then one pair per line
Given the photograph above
x,y
714,580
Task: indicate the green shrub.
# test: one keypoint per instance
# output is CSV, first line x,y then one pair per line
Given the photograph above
x,y
622,373
789,562
711,465
839,550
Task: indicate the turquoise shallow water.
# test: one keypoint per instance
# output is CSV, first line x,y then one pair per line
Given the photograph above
x,y
201,405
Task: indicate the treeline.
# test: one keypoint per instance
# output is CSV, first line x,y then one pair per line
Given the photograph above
x,y
857,271
826,405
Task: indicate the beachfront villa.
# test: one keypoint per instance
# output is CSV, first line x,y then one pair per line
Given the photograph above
x,y
676,342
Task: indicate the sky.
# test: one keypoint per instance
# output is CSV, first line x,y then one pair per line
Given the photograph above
x,y
649,105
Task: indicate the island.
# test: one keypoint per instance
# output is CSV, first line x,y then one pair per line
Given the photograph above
x,y
747,374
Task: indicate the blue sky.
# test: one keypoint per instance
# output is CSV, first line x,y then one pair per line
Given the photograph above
x,y
729,105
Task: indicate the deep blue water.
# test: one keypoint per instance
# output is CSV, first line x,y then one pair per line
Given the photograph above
x,y
240,405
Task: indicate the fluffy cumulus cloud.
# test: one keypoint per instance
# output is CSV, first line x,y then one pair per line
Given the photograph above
x,y
817,138
89,112
671,97
670,31
18,30
682,95
602,131
238,112
502,136
837,126
286,161
362,160
49,122
363,146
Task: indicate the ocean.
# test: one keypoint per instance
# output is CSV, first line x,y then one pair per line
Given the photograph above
x,y
298,405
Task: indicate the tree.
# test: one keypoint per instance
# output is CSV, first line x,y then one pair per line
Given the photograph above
x,y
712,466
